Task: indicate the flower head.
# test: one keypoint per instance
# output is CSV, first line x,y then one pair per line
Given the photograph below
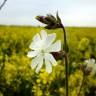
x,y
42,46
90,65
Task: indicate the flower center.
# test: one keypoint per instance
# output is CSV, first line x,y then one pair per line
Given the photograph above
x,y
42,51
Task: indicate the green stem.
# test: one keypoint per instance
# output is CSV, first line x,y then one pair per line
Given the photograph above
x,y
65,59
81,85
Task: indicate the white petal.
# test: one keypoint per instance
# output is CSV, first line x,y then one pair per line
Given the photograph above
x,y
90,61
48,66
36,45
32,53
35,62
36,38
40,64
36,41
50,39
56,47
50,58
43,34
33,46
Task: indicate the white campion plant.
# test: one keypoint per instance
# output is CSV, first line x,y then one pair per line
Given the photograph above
x,y
90,63
42,46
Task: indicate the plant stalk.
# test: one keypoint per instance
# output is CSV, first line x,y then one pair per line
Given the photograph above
x,y
81,85
66,60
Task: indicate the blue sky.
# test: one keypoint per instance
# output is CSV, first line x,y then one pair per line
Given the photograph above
x,y
72,12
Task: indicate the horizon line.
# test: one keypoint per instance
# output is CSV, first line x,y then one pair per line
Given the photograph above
x,y
43,26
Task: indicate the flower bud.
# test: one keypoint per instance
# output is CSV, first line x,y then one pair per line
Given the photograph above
x,y
42,19
50,21
51,18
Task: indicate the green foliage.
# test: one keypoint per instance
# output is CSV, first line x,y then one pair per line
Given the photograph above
x,y
18,79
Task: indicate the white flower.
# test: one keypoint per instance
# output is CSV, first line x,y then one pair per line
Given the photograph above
x,y
90,63
41,47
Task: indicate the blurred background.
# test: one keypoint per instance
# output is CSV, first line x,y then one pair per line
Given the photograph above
x,y
17,28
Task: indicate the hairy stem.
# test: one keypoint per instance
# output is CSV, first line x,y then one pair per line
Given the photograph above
x,y
66,59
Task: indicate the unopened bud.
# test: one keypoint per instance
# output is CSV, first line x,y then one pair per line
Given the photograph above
x,y
51,18
42,19
50,21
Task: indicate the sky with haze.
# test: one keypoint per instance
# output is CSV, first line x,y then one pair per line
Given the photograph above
x,y
72,12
